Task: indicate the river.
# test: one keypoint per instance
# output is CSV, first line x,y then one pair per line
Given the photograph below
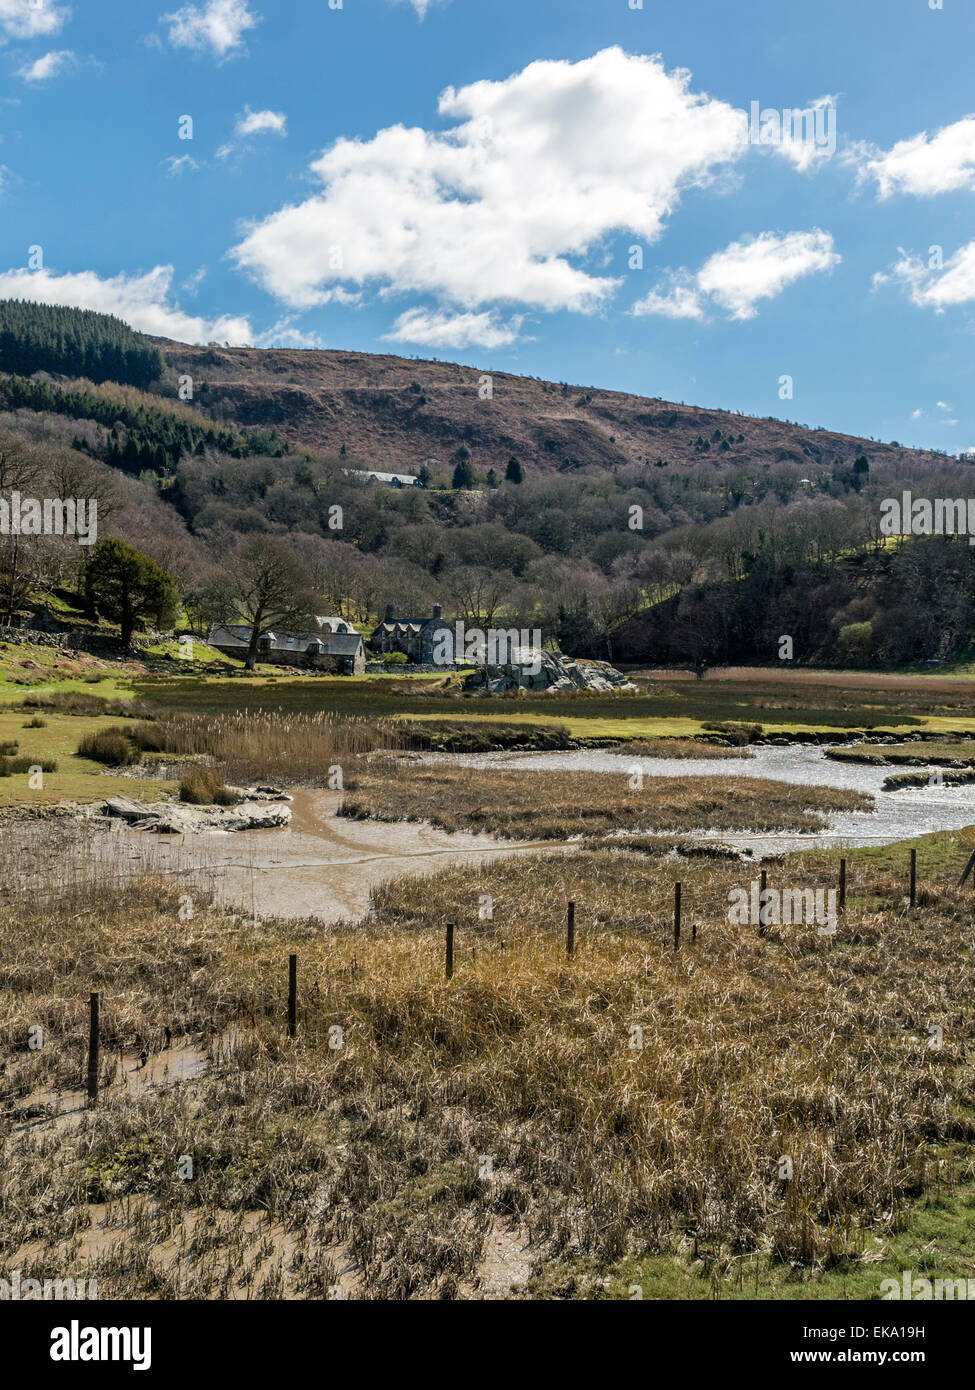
x,y
897,815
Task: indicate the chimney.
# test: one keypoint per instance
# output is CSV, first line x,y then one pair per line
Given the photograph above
x,y
437,612
390,610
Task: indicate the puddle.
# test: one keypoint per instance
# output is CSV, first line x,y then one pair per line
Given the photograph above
x,y
126,1074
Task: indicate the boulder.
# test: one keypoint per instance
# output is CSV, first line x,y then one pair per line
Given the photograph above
x,y
557,673
179,818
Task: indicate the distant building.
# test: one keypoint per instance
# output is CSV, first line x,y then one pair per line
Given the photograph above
x,y
331,645
415,637
390,479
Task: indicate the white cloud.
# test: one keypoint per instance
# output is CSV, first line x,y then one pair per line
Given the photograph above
x,y
47,67
19,19
741,275
680,299
143,301
180,164
284,334
421,6
922,165
916,414
937,288
261,122
255,123
808,139
746,272
219,26
438,329
533,174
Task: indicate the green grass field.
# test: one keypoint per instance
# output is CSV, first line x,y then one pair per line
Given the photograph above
x,y
76,779
678,708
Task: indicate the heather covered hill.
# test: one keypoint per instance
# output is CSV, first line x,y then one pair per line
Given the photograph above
x,y
396,412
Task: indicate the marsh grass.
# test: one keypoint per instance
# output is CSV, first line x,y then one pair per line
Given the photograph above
x,y
290,749
81,702
203,786
113,747
557,805
10,766
512,1097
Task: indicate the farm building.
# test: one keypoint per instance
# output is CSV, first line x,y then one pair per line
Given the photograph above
x,y
390,479
331,645
415,637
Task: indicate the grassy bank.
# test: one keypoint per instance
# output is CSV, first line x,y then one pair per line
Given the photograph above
x,y
955,753
672,708
556,805
44,735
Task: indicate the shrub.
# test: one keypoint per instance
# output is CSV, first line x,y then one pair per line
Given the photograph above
x,y
741,733
8,766
36,723
395,659
81,702
6,749
110,746
67,702
202,786
855,641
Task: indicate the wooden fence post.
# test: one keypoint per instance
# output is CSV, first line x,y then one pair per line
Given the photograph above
x,y
968,868
762,883
292,995
570,930
913,878
449,961
842,885
676,916
93,1048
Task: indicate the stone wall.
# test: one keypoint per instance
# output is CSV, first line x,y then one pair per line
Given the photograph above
x,y
93,643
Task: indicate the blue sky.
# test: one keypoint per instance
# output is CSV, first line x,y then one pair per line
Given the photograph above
x,y
467,180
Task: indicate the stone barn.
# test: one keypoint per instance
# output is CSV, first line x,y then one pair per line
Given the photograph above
x,y
332,645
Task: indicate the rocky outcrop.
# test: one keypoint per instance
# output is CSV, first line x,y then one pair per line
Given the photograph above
x,y
265,810
558,673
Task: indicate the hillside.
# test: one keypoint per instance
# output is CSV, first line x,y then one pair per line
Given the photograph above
x,y
632,528
395,413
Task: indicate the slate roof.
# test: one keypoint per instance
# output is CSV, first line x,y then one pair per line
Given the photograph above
x,y
331,643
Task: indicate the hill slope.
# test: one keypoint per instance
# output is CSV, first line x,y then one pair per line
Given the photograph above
x,y
396,412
